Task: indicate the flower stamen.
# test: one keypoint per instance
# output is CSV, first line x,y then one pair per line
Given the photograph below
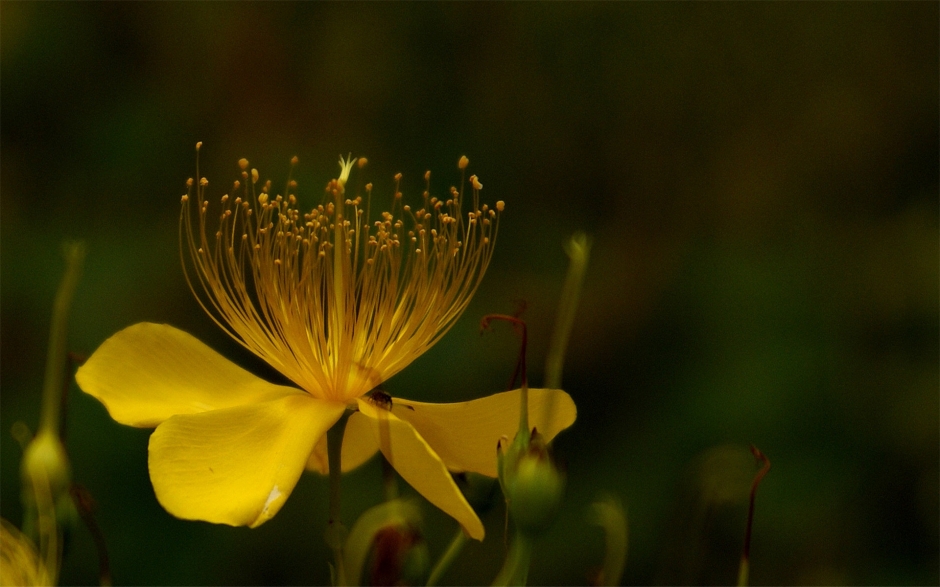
x,y
336,301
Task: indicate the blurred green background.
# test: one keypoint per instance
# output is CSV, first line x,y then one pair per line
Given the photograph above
x,y
761,181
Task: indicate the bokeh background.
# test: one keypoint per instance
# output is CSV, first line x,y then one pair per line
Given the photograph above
x,y
760,180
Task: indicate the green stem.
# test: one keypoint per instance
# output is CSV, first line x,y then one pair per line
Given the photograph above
x,y
456,545
335,531
515,569
52,386
578,250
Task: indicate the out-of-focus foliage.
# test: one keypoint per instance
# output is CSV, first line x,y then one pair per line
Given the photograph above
x,y
760,181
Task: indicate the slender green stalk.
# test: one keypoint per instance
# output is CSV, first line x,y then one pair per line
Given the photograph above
x,y
608,513
56,359
335,531
447,559
515,569
579,251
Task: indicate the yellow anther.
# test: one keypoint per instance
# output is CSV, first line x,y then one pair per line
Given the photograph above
x,y
500,205
462,164
254,176
243,163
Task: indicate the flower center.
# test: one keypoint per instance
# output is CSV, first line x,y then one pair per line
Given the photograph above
x,y
334,300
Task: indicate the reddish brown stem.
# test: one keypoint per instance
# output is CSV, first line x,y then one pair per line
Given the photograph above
x,y
86,506
765,467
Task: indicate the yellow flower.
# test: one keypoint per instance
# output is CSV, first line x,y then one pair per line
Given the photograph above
x,y
338,304
20,561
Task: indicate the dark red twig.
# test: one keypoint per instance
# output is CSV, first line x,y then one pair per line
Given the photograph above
x,y
85,505
765,467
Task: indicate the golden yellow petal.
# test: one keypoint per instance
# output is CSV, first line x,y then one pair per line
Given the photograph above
x,y
420,466
148,372
238,465
358,447
465,434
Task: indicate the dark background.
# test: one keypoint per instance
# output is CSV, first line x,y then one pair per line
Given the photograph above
x,y
761,182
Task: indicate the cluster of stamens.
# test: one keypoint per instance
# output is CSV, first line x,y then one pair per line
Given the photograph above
x,y
336,301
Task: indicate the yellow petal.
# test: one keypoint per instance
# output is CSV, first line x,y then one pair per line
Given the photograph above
x,y
420,466
465,434
148,372
236,466
358,447
20,560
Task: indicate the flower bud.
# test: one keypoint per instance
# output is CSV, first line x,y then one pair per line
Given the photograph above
x,y
46,467
399,557
533,485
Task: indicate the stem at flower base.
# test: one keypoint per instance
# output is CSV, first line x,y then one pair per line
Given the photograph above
x,y
335,531
515,569
456,545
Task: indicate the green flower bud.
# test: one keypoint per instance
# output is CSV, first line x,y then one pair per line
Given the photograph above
x,y
45,469
533,485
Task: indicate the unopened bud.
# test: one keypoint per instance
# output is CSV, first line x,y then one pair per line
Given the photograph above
x,y
533,485
45,464
399,556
